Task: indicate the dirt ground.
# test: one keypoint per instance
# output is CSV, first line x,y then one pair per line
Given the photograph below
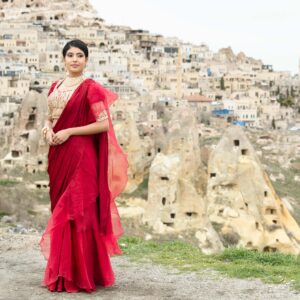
x,y
22,266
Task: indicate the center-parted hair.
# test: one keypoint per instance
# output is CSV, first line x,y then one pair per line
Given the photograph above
x,y
78,44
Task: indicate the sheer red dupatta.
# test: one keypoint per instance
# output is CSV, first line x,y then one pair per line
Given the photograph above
x,y
68,202
113,166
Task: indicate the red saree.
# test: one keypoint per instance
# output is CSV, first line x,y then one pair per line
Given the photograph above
x,y
86,173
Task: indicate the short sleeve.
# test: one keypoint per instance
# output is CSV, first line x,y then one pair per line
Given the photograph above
x,y
49,107
99,100
102,116
49,112
52,87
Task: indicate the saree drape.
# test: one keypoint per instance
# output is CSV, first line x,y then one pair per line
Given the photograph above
x,y
86,174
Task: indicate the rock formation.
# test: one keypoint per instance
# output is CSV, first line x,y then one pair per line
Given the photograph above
x,y
137,149
176,188
27,148
242,200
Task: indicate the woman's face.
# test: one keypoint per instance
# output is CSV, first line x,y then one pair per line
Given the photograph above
x,y
75,61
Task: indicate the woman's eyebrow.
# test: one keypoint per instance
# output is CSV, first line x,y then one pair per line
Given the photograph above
x,y
75,53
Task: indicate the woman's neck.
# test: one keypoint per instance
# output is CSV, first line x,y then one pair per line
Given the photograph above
x,y
74,75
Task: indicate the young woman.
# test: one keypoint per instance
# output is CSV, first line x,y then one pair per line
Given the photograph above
x,y
87,170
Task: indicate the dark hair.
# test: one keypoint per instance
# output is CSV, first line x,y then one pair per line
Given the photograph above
x,y
78,44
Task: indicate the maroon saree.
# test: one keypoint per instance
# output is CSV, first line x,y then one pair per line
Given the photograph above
x,y
86,173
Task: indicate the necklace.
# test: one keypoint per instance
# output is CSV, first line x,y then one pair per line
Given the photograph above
x,y
72,81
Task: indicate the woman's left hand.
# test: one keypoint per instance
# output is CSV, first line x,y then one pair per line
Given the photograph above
x,y
61,136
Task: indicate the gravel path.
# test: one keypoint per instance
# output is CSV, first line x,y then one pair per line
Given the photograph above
x,y
22,266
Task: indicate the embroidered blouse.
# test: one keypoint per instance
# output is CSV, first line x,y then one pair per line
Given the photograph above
x,y
58,99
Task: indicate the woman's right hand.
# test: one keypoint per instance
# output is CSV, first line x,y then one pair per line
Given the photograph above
x,y
49,137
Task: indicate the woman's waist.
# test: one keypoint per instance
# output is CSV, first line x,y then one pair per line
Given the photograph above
x,y
75,144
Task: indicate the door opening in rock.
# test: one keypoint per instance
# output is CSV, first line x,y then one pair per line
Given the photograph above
x,y
244,151
236,143
170,224
271,211
191,214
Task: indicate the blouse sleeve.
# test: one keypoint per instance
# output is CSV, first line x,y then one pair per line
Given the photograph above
x,y
49,107
52,87
102,116
99,99
49,112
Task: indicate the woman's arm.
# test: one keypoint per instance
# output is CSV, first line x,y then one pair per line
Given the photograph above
x,y
48,123
93,128
47,131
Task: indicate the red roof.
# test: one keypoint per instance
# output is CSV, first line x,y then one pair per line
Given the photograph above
x,y
198,98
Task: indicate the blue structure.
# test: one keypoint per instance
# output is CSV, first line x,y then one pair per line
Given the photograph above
x,y
222,112
209,72
240,123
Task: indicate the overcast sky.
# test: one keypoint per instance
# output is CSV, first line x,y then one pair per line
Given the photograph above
x,y
264,29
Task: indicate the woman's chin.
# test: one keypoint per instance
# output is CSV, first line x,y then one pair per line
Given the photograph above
x,y
75,71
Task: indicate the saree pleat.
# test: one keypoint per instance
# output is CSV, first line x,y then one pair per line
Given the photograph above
x,y
86,174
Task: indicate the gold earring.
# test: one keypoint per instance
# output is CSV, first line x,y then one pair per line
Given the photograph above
x,y
66,70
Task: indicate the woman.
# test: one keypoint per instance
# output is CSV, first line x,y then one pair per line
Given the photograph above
x,y
87,170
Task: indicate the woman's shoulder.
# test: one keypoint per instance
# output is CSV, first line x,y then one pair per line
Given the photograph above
x,y
93,83
96,89
94,86
54,83
52,87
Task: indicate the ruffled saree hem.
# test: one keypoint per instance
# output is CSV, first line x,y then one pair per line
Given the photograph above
x,y
81,260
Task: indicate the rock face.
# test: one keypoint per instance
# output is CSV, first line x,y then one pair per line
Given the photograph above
x,y
230,57
27,146
243,202
175,194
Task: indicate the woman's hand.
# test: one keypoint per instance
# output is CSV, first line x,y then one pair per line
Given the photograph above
x,y
49,137
61,136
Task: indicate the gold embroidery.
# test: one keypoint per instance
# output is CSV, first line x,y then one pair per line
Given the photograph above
x,y
102,116
58,99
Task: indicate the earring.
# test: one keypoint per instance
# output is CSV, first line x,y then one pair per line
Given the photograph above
x,y
67,72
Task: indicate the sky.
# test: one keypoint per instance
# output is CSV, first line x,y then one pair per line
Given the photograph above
x,y
263,29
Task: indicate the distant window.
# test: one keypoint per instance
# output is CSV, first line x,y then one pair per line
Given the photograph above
x,y
15,153
244,151
236,143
